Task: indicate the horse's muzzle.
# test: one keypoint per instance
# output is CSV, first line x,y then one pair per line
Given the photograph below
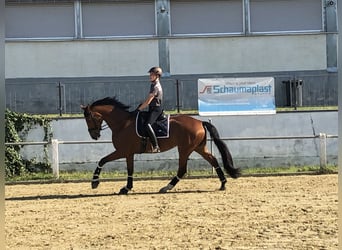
x,y
94,134
95,137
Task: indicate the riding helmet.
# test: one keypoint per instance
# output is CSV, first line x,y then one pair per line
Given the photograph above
x,y
156,70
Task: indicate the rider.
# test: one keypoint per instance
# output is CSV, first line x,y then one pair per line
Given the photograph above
x,y
154,104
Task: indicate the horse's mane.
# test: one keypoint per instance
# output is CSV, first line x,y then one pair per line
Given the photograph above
x,y
110,101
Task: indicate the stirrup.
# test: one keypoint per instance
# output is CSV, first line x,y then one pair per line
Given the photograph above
x,y
156,149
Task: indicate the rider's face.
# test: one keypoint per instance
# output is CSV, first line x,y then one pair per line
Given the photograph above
x,y
153,77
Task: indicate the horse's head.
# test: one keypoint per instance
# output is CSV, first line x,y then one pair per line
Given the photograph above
x,y
94,122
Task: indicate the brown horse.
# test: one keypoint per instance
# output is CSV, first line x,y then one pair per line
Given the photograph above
x,y
186,133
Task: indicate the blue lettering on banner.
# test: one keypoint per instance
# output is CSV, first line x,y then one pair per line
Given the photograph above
x,y
224,89
236,96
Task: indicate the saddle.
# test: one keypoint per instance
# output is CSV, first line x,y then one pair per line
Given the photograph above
x,y
161,126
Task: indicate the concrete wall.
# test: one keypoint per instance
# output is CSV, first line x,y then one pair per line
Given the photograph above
x,y
247,54
39,59
246,153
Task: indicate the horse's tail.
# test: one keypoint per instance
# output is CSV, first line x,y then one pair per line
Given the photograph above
x,y
222,147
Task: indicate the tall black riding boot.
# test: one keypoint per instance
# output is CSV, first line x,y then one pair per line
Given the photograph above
x,y
153,139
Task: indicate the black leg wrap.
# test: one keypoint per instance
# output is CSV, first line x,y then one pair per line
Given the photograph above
x,y
222,178
174,181
95,182
220,174
97,171
129,182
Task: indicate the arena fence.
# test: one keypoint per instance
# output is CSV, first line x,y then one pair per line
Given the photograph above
x,y
55,146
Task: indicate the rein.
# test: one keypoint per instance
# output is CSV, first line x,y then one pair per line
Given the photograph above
x,y
103,127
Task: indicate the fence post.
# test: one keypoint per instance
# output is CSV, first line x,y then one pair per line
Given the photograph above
x,y
323,151
55,160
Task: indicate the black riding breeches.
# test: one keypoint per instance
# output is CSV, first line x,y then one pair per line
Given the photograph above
x,y
153,115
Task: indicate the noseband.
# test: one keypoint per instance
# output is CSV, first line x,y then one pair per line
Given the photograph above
x,y
94,121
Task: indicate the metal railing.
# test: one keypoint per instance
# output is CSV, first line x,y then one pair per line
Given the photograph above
x,y
55,146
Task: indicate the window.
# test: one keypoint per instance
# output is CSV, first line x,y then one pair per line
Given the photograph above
x,y
118,19
206,17
39,21
285,15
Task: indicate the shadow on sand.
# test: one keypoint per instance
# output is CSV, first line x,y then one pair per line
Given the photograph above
x,y
82,196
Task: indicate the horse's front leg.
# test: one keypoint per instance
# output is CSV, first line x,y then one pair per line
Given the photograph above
x,y
130,169
96,176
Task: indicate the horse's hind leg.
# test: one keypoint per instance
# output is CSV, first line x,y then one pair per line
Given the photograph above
x,y
182,168
204,152
171,184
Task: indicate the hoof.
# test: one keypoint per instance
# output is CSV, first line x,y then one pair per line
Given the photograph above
x,y
223,185
164,190
95,183
124,190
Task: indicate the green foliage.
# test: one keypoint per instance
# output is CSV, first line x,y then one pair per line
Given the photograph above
x,y
17,127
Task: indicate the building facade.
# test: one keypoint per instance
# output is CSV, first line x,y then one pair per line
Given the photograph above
x,y
60,54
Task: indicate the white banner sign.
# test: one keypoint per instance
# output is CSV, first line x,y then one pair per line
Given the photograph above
x,y
236,96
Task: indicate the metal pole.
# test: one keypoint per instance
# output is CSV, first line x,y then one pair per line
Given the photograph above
x,y
323,151
55,160
60,98
294,92
299,89
177,96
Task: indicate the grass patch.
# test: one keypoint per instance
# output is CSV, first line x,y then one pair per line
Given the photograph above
x,y
313,108
87,175
30,177
290,170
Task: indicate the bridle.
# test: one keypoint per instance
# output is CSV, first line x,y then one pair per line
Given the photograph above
x,y
95,121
